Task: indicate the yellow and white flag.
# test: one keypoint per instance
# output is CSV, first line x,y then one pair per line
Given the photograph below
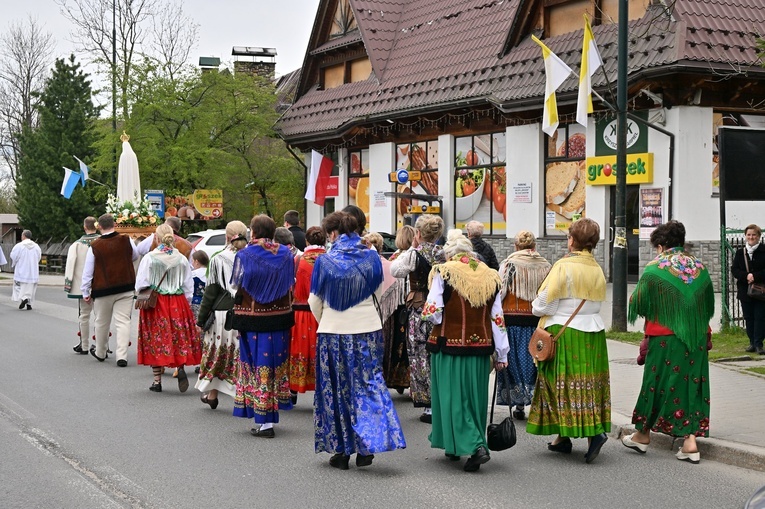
x,y
556,72
591,62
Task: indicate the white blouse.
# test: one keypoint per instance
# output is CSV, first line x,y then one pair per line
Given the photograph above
x,y
558,312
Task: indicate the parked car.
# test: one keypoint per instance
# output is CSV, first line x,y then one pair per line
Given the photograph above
x,y
209,241
389,244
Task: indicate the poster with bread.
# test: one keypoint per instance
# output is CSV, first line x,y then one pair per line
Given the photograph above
x,y
565,179
358,179
421,157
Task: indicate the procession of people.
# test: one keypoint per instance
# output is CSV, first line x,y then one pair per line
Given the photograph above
x,y
266,322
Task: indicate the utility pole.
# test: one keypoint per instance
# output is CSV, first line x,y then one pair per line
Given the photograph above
x,y
114,88
619,304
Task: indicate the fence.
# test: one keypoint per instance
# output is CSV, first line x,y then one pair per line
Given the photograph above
x,y
732,240
53,253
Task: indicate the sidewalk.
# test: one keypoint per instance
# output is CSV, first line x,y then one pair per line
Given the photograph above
x,y
738,413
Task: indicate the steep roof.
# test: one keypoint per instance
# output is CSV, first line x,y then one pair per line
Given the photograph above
x,y
445,53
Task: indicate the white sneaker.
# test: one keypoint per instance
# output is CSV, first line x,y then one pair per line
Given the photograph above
x,y
635,446
693,457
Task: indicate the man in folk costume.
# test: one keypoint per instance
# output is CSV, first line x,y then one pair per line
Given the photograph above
x,y
75,263
25,257
151,242
108,281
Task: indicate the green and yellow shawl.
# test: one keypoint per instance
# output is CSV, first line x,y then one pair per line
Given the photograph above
x,y
675,291
575,276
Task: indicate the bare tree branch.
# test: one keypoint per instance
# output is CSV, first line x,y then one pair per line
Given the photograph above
x,y
175,35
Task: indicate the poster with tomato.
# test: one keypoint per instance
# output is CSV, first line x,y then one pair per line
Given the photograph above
x,y
421,157
358,180
565,179
481,182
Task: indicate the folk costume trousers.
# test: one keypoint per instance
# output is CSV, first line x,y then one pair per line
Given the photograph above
x,y
86,309
113,309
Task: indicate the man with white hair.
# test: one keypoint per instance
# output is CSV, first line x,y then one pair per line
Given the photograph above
x,y
481,248
25,257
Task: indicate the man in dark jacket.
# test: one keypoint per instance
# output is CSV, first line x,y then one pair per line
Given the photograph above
x,y
291,222
481,248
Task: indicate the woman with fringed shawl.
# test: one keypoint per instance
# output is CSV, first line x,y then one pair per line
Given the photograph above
x,y
522,274
353,411
676,298
167,336
220,347
415,264
263,275
572,397
465,308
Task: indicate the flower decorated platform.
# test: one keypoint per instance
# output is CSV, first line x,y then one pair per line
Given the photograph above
x,y
135,218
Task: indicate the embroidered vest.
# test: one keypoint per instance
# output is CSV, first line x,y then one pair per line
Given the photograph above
x,y
464,330
113,270
253,316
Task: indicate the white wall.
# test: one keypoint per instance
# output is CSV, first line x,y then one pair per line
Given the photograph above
x,y
598,197
446,178
525,164
382,161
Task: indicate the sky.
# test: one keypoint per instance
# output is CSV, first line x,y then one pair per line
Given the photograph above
x,y
281,24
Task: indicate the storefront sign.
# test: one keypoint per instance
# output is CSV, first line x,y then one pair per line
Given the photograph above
x,y
651,211
522,192
605,135
333,187
157,199
601,171
209,202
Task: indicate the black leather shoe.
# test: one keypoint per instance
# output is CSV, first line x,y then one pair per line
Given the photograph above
x,y
340,461
428,418
100,359
293,397
263,433
563,446
122,363
452,457
183,380
78,349
595,444
761,351
364,461
29,307
156,387
23,303
479,457
750,349
519,414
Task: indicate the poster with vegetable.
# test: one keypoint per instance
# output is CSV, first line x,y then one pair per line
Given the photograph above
x,y
422,157
565,179
358,180
480,181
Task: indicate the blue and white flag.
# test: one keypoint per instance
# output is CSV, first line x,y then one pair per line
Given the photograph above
x,y
84,170
71,178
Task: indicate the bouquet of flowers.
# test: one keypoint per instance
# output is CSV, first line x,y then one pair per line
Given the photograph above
x,y
136,212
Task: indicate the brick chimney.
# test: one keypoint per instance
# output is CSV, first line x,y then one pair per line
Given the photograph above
x,y
255,60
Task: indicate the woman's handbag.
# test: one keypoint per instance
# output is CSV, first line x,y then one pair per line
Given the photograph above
x,y
542,344
753,290
499,436
147,298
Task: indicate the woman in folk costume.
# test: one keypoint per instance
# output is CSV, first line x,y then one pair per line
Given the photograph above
x,y
415,263
522,274
676,298
353,411
220,347
167,335
303,342
572,397
395,321
263,275
465,306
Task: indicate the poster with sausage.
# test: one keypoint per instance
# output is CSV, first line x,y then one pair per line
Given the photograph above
x,y
421,157
358,180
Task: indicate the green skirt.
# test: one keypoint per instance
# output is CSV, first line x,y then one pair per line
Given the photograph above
x,y
459,391
572,396
674,397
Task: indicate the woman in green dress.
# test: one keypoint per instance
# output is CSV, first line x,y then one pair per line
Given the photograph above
x,y
676,298
572,396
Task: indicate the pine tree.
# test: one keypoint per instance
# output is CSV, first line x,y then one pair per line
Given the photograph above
x,y
66,129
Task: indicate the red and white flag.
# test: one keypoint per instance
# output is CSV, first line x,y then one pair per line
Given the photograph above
x,y
318,178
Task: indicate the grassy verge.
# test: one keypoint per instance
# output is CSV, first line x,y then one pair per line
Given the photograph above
x,y
759,371
726,344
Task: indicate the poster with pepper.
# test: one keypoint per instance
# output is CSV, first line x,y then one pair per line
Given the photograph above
x,y
480,186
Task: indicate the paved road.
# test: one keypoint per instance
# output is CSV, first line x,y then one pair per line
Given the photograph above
x,y
76,433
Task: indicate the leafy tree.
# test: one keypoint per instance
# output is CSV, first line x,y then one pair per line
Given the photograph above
x,y
66,129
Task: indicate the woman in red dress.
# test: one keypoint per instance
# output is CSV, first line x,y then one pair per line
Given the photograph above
x,y
167,335
303,343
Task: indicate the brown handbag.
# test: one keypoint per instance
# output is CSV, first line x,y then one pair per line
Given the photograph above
x,y
542,344
147,298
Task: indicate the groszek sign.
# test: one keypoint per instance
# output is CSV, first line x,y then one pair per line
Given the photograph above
x,y
601,171
209,202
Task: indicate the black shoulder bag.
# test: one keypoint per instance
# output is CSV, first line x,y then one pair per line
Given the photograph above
x,y
500,436
753,290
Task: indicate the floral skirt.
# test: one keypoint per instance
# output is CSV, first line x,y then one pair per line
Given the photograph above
x,y
167,334
263,385
353,411
572,396
303,352
515,385
419,359
460,400
220,358
674,397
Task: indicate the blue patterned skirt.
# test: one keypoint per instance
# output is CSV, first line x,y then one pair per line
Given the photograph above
x,y
515,385
353,411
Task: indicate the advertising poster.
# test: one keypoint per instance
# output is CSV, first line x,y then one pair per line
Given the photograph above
x,y
416,157
651,211
565,178
358,180
187,207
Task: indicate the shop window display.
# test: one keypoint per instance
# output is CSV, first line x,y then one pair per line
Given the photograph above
x,y
421,156
358,179
565,178
480,181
